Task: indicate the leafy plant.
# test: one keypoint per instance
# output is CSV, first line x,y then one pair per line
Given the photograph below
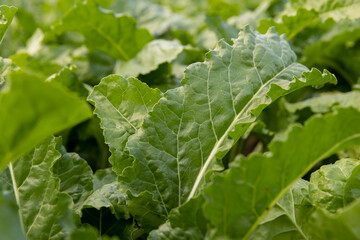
x,y
211,119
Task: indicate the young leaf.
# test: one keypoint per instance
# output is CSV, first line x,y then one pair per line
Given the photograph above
x,y
31,110
257,182
6,16
116,36
196,124
122,104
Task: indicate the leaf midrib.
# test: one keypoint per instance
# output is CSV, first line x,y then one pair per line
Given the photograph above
x,y
232,125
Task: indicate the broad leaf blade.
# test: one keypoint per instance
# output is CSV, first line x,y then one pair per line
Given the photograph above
x,y
116,36
121,104
38,192
32,110
257,182
200,121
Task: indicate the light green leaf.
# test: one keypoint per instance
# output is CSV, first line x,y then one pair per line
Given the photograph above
x,y
149,58
326,101
75,175
258,181
32,110
122,104
6,16
115,35
37,192
327,185
108,196
196,124
10,227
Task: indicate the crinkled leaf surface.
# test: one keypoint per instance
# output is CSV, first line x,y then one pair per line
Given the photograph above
x,y
37,192
200,121
327,185
115,35
122,104
31,110
75,175
7,14
108,196
149,58
261,179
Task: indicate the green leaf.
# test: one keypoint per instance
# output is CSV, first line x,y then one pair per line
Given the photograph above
x,y
185,222
343,225
258,181
291,25
37,191
32,110
196,124
103,176
6,16
108,196
67,77
326,101
352,187
10,227
75,177
288,218
122,104
327,185
116,36
149,58
300,15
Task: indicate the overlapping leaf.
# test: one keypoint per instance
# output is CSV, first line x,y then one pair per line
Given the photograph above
x,y
122,104
259,181
37,191
196,124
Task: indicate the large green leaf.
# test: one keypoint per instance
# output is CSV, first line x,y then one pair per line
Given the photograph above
x,y
122,104
258,181
37,191
6,16
196,124
116,36
32,110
